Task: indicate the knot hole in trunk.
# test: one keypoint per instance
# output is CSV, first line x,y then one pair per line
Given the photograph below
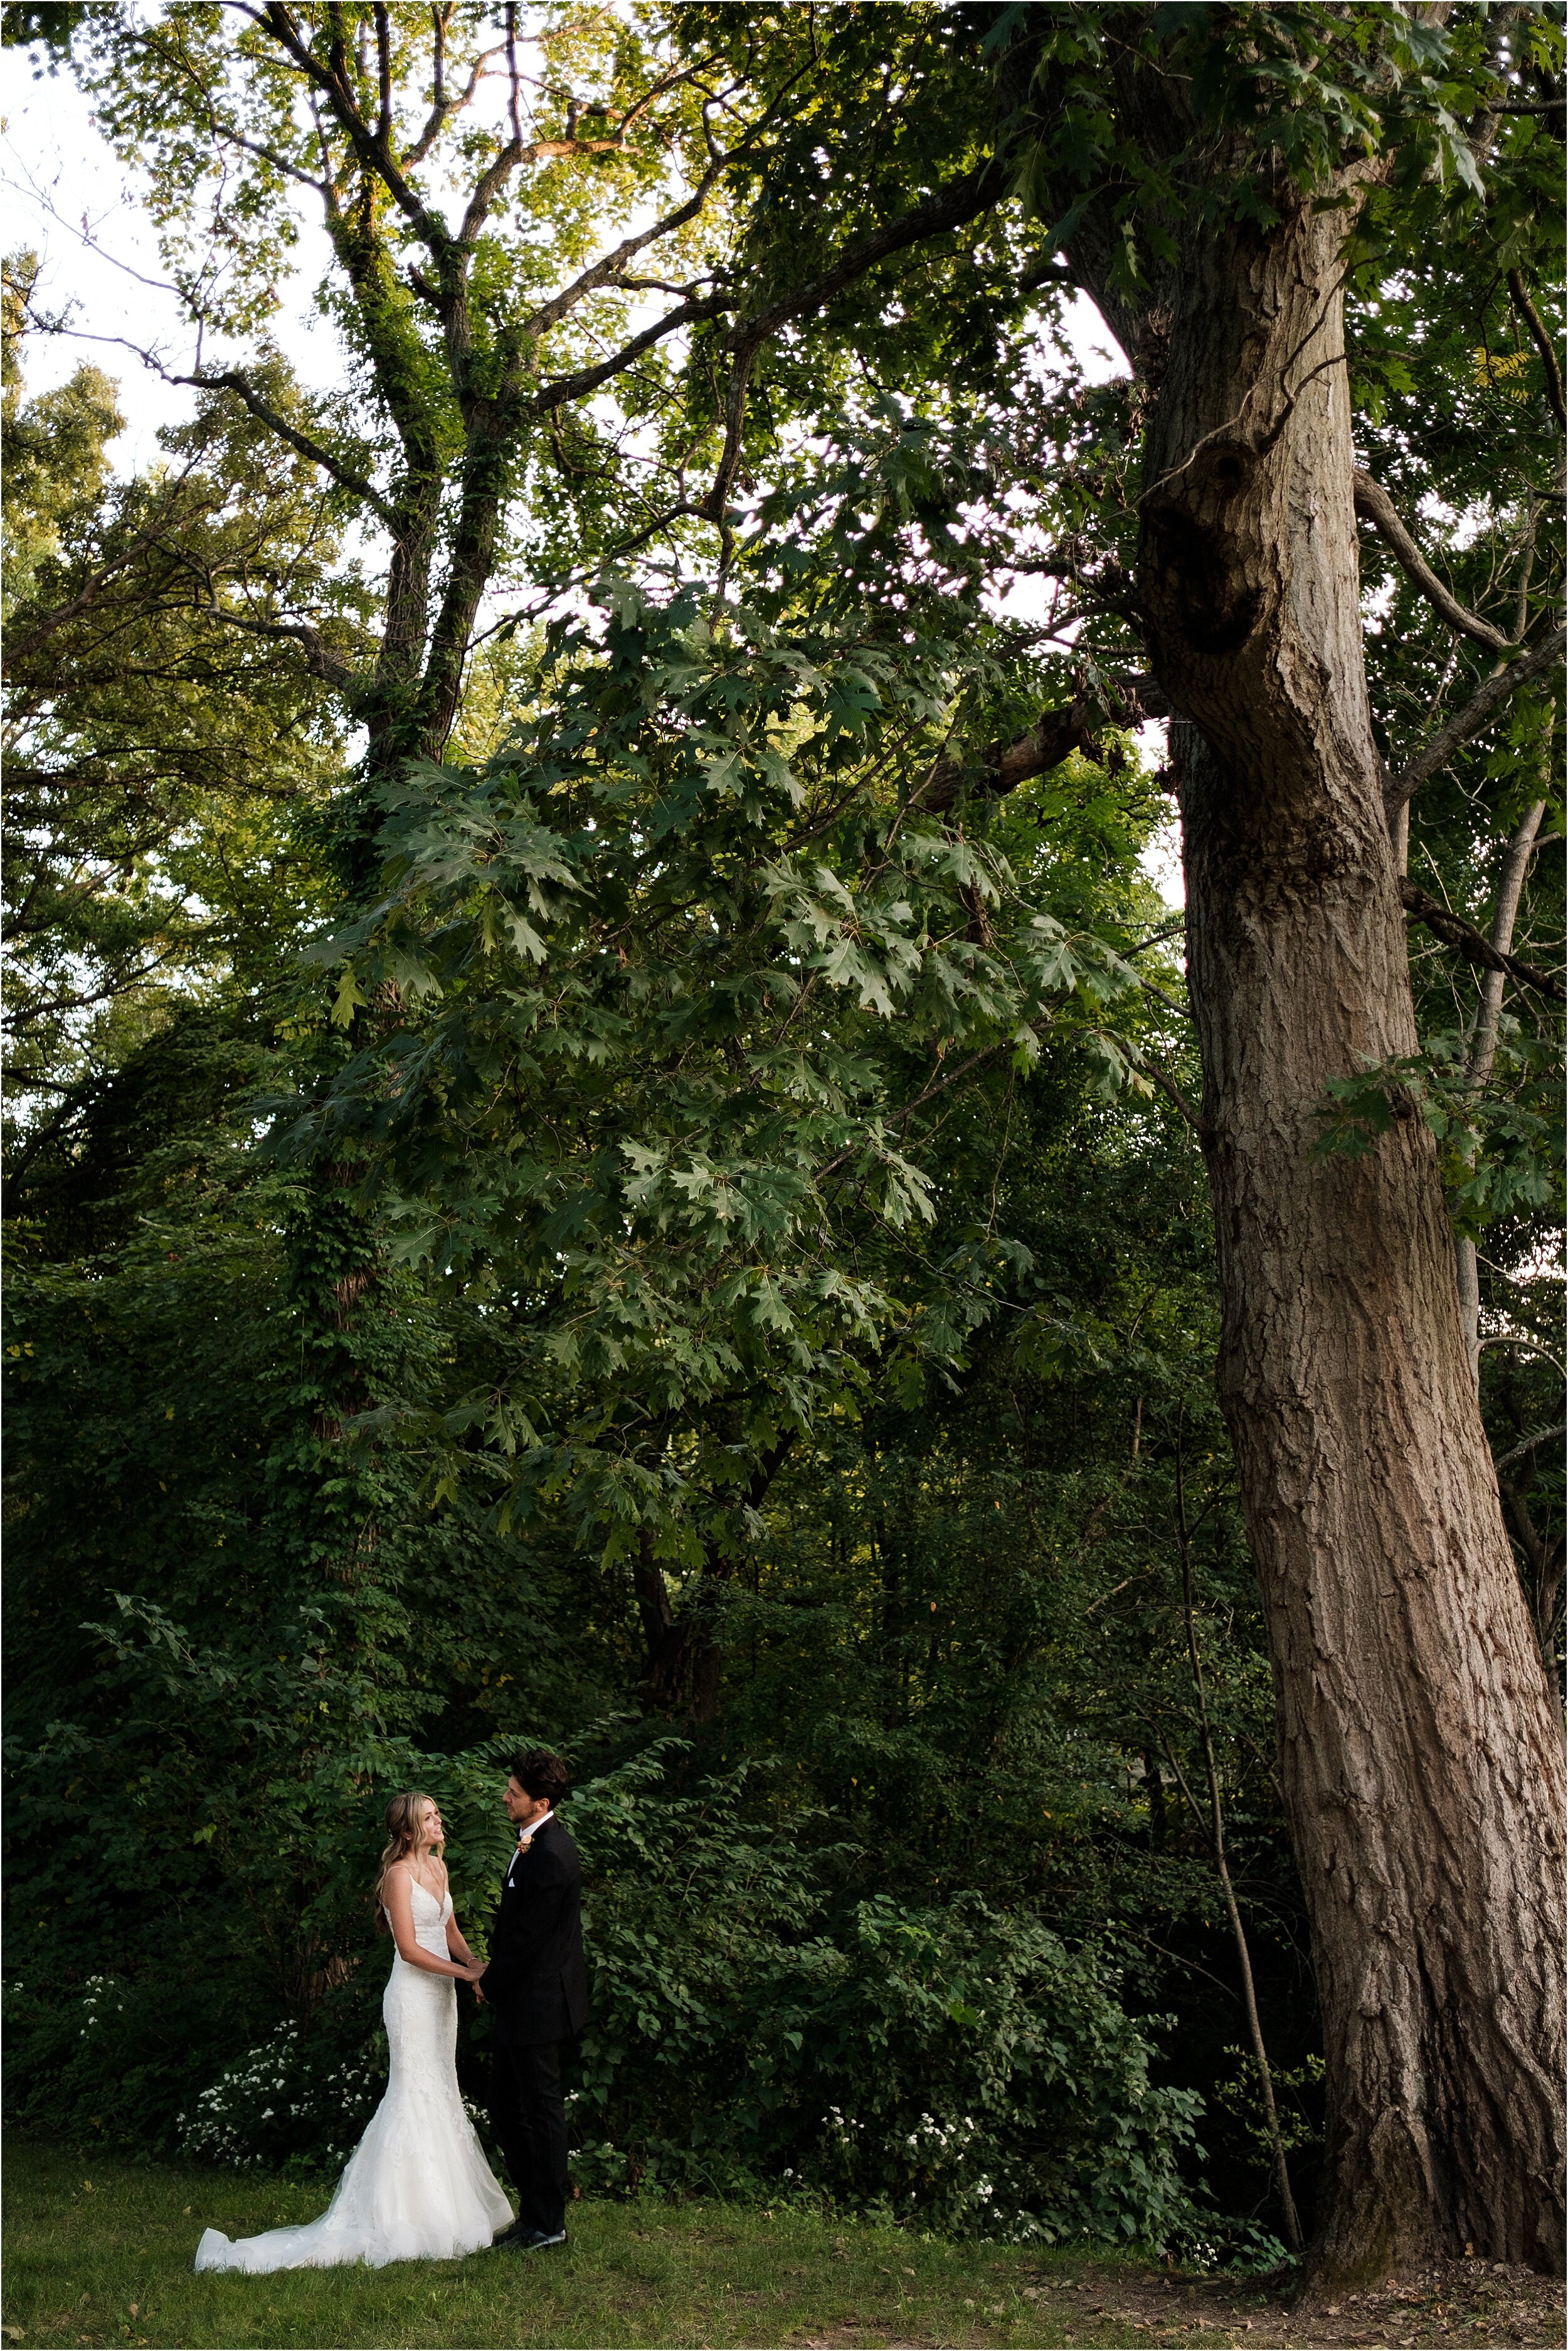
x,y
1194,573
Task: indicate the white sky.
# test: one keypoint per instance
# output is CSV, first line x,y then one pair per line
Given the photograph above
x,y
68,199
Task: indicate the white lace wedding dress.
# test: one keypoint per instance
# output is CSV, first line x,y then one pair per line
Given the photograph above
x,y
417,2187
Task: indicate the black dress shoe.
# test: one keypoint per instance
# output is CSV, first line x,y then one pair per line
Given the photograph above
x,y
514,2233
531,2240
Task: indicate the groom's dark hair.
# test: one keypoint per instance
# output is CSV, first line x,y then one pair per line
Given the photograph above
x,y
540,1774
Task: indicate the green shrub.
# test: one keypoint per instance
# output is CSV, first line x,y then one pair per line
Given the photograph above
x,y
758,2028
112,2059
755,2026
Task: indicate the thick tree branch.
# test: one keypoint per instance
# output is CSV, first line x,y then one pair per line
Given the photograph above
x,y
1374,501
585,379
1473,944
321,664
716,503
1531,1445
1536,330
384,75
231,380
1053,737
950,207
470,563
1055,272
373,149
606,271
1539,662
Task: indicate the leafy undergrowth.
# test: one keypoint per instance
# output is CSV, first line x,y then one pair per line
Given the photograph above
x,y
98,2255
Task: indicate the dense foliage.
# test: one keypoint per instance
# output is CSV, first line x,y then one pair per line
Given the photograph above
x,y
645,1199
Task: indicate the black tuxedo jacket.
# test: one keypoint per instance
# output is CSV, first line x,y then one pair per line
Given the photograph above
x,y
536,1984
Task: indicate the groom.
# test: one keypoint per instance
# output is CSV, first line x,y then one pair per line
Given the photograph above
x,y
536,1987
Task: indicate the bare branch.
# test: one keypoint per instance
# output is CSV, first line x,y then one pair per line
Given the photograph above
x,y
1150,1069
442,107
269,155
319,661
1374,501
1157,938
1160,997
1494,691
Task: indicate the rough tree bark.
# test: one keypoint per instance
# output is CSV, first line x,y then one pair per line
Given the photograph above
x,y
1421,1756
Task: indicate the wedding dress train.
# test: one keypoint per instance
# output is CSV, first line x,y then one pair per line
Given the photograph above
x,y
417,2187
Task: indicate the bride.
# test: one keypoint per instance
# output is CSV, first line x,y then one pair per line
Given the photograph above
x,y
417,2187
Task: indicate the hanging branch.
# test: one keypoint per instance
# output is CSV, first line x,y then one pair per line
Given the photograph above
x,y
1294,2237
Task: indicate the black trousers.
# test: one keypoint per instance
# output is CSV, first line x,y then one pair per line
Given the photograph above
x,y
528,2117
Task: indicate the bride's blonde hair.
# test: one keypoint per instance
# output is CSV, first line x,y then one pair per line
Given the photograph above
x,y
403,1826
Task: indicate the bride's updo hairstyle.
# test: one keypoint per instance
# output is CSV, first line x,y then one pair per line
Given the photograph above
x,y
402,1823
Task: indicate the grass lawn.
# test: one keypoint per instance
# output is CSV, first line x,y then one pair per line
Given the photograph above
x,y
98,2255
110,2264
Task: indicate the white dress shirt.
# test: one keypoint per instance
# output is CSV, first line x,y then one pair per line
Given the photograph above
x,y
523,1841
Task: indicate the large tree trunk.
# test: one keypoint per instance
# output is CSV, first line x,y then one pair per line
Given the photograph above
x,y
1420,1750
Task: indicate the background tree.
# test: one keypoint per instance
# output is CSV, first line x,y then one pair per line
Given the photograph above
x,y
157,768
